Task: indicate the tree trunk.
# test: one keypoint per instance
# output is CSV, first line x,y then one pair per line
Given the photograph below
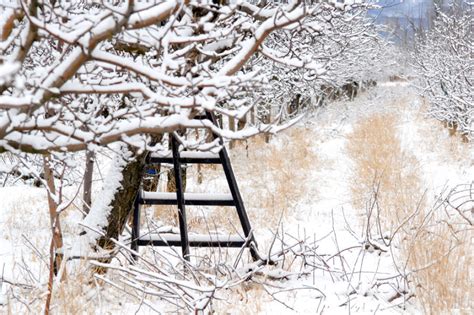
x,y
242,123
87,187
267,118
57,236
232,128
122,204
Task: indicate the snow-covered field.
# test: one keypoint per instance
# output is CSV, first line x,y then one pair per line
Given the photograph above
x,y
332,269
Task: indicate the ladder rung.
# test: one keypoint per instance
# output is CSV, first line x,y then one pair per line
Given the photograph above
x,y
186,157
191,199
197,240
200,116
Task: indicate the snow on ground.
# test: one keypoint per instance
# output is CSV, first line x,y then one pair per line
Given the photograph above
x,y
353,283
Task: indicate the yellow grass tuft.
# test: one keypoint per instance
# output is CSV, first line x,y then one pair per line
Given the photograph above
x,y
276,173
440,256
436,250
382,166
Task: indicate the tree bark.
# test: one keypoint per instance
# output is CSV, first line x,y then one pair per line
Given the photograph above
x,y
231,128
87,187
57,236
122,204
267,118
241,123
124,198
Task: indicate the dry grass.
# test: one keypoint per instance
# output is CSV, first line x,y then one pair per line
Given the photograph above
x,y
380,164
76,295
28,206
436,249
31,240
276,175
441,140
440,254
248,298
80,294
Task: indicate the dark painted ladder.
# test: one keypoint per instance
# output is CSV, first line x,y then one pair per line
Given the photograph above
x,y
182,199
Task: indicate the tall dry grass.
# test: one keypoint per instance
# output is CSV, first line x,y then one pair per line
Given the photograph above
x,y
380,164
435,249
439,254
276,174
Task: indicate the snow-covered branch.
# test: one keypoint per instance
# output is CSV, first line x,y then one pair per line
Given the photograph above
x,y
156,65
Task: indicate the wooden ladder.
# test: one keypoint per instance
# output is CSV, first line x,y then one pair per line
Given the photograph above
x,y
183,199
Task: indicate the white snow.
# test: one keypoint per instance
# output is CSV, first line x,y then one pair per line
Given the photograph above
x,y
187,196
353,282
187,155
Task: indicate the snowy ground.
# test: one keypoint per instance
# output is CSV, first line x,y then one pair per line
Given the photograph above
x,y
358,280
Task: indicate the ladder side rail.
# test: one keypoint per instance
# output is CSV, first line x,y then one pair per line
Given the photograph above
x,y
136,225
180,198
234,189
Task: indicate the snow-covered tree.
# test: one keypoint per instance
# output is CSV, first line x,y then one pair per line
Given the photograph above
x,y
444,60
340,46
88,74
92,73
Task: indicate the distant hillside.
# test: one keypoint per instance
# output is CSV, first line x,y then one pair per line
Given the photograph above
x,y
401,16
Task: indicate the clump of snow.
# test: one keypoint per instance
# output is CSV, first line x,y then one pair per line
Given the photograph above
x,y
7,71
